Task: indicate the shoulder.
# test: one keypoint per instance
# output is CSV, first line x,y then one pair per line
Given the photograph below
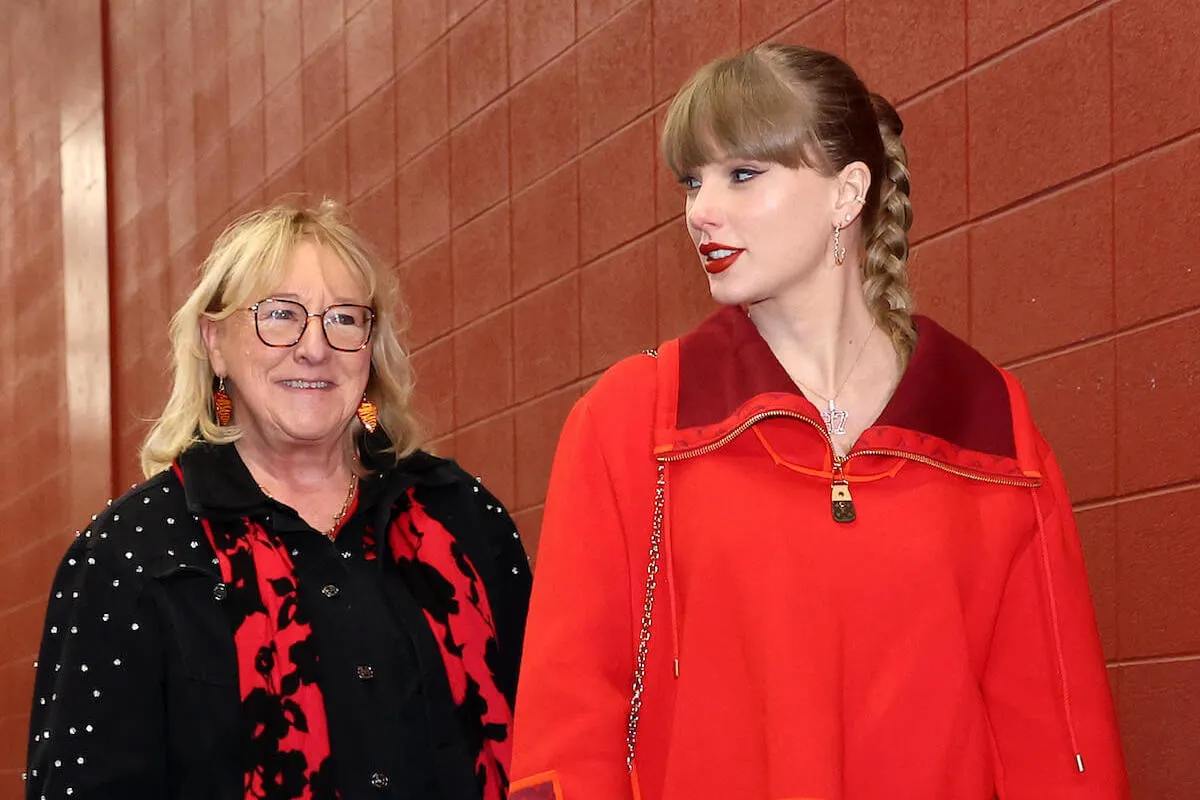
x,y
139,529
631,377
463,504
620,405
443,479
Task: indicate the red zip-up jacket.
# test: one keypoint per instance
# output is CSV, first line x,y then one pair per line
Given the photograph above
x,y
940,645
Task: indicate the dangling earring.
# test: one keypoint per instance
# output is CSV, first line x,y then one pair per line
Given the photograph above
x,y
222,404
839,252
368,414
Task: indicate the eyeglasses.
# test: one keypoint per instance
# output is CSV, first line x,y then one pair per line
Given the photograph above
x,y
281,323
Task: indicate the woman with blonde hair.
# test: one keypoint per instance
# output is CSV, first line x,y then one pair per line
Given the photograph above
x,y
816,547
298,602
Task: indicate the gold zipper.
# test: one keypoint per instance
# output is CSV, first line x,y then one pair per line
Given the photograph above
x,y
841,502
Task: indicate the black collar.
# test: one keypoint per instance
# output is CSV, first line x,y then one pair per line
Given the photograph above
x,y
217,483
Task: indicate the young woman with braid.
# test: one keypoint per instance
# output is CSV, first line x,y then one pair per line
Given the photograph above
x,y
816,547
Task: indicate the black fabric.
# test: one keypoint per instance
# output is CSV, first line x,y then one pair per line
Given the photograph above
x,y
136,694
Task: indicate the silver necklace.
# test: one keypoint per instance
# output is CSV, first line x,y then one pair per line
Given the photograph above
x,y
834,417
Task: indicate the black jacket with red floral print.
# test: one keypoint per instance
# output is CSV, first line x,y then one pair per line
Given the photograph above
x,y
136,694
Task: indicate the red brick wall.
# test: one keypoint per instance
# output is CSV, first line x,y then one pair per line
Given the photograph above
x,y
502,155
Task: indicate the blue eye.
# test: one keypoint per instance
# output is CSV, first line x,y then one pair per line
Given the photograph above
x,y
743,174
282,314
690,183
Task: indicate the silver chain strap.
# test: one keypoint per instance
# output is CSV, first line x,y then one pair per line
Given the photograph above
x,y
643,648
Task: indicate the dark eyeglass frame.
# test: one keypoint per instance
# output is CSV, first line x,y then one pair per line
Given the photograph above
x,y
307,316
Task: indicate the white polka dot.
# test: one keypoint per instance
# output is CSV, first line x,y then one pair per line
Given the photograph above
x,y
71,561
137,528
166,490
116,517
72,730
88,728
134,626
83,667
146,501
95,692
91,561
74,595
79,760
194,544
93,517
54,629
116,582
516,571
128,554
104,617
58,595
116,662
74,629
57,763
170,520
170,552
138,569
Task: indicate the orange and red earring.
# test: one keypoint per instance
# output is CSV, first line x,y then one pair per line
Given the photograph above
x,y
222,404
368,414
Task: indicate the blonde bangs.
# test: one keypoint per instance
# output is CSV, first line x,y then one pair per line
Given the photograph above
x,y
738,108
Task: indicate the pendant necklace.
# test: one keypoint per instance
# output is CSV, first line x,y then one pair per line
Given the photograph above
x,y
834,417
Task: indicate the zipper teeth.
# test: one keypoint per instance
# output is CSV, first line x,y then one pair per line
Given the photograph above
x,y
839,461
733,434
975,476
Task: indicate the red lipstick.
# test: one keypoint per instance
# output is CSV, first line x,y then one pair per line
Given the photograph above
x,y
715,266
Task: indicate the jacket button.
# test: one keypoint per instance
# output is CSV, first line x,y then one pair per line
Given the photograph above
x,y
220,591
379,780
330,590
364,672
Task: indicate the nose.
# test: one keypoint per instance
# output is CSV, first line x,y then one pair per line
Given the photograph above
x,y
704,212
313,346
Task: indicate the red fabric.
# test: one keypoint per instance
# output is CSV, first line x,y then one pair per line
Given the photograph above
x,y
281,701
919,652
464,630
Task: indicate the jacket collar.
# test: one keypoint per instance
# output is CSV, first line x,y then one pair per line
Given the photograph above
x,y
951,404
217,483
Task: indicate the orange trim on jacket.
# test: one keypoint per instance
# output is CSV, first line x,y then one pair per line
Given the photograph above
x,y
940,645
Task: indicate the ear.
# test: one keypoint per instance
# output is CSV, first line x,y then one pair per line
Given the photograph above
x,y
210,332
853,182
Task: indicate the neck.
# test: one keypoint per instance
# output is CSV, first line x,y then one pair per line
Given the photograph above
x,y
818,333
295,468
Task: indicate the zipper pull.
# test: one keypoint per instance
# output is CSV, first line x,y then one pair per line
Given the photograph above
x,y
841,502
